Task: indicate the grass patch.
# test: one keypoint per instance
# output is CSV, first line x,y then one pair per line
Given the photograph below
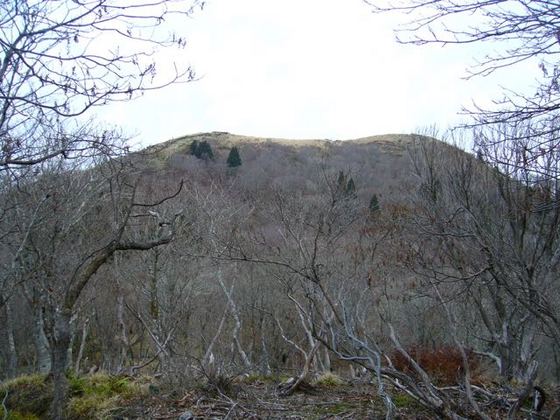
x,y
283,377
16,415
29,396
404,401
329,380
92,407
91,397
103,385
407,403
97,396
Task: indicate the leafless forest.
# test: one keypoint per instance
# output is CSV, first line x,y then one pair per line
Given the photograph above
x,y
358,257
229,276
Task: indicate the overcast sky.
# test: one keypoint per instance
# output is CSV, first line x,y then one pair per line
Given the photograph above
x,y
306,69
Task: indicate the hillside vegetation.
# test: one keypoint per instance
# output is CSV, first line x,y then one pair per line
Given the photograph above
x,y
395,275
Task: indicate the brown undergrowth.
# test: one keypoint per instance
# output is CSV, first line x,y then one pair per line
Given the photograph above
x,y
104,396
444,364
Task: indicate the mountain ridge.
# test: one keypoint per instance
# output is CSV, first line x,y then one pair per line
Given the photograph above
x,y
163,151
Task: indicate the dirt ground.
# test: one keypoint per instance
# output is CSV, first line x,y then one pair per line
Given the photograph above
x,y
261,400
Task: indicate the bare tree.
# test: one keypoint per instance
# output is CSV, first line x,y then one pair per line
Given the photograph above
x,y
89,214
520,31
308,245
57,61
218,222
348,278
56,64
497,239
160,294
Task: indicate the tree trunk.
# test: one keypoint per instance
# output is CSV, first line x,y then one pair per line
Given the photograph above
x,y
124,342
11,367
265,357
59,359
236,341
41,343
293,386
70,355
208,354
326,359
82,346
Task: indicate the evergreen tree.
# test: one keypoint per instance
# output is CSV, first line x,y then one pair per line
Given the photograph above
x,y
350,189
374,204
234,159
194,148
205,151
341,182
345,187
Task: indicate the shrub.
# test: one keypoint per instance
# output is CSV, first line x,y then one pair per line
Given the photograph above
x,y
444,364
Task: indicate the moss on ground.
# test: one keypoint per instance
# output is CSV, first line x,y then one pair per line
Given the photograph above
x,y
96,396
92,407
28,396
101,395
16,415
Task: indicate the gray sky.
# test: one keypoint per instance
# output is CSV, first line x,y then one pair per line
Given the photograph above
x,y
307,69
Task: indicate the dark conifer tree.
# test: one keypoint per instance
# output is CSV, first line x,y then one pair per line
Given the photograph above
x,y
234,160
374,204
350,189
345,187
341,182
205,151
194,148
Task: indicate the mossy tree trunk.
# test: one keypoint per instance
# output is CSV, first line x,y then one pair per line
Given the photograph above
x,y
60,342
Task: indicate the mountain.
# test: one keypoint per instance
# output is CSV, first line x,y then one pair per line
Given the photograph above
x,y
378,164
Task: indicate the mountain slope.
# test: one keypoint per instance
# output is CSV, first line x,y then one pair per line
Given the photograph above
x,y
378,165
